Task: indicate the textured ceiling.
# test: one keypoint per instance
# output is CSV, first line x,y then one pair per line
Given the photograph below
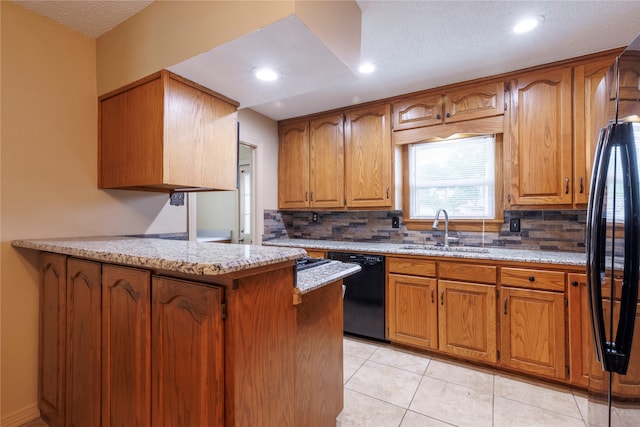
x,y
93,18
415,45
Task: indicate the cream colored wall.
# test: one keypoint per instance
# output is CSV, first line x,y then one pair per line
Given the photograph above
x,y
262,132
48,187
168,32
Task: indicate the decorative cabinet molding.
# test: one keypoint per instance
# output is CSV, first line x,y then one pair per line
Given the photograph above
x,y
468,103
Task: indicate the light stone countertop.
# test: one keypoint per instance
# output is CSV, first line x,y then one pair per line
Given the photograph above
x,y
196,258
316,277
516,255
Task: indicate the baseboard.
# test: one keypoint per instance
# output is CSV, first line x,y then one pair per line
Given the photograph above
x,y
20,417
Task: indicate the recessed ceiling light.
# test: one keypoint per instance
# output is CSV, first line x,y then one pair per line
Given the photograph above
x,y
367,68
527,24
265,74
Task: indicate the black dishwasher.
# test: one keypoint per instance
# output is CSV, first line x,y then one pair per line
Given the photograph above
x,y
364,298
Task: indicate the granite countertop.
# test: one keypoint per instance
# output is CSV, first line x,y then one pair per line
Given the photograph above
x,y
316,277
197,258
516,255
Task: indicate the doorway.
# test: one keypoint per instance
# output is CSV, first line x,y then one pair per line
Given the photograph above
x,y
229,216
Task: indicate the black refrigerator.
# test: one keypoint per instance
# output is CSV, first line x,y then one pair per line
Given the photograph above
x,y
613,248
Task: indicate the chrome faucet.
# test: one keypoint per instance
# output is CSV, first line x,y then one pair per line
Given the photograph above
x,y
446,225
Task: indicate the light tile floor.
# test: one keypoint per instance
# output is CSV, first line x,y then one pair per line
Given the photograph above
x,y
387,386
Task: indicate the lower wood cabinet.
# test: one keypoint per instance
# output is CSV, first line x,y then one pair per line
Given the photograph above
x,y
533,331
187,343
413,317
84,332
120,346
467,320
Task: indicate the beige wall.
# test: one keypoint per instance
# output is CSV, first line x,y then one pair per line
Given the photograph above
x,y
169,32
48,183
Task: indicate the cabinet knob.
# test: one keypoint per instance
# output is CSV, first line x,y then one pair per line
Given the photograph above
x,y
532,278
448,115
574,283
438,116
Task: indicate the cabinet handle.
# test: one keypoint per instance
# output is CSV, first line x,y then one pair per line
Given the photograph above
x,y
532,278
432,300
306,196
441,297
505,306
566,186
581,186
387,192
312,196
574,283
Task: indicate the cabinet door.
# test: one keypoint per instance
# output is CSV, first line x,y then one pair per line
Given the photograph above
x,y
580,336
126,345
84,294
413,313
474,102
467,320
51,355
533,331
187,347
368,158
541,139
293,166
418,111
326,162
590,101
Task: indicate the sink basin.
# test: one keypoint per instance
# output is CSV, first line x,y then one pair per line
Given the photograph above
x,y
449,249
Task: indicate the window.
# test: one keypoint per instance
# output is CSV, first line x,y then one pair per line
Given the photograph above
x,y
458,175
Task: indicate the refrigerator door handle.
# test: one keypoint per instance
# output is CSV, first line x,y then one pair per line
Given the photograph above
x,y
614,355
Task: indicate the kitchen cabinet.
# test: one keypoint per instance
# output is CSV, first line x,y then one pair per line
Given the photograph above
x,y
455,105
533,321
368,157
166,133
585,369
84,332
293,166
311,164
188,353
413,315
126,345
579,326
540,147
467,310
590,101
120,345
52,338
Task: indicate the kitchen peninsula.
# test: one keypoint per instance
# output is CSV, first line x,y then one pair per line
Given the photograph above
x,y
162,332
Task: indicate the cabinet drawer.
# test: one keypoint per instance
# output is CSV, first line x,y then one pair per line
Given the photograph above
x,y
468,272
412,267
533,279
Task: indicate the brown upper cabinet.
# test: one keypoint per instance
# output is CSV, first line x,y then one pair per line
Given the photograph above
x,y
590,115
166,133
468,103
311,164
541,139
368,157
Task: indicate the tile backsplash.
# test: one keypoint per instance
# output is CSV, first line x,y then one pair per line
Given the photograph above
x,y
561,230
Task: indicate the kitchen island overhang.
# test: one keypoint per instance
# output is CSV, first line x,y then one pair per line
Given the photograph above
x,y
269,333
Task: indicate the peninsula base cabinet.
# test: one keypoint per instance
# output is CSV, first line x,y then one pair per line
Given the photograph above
x,y
124,346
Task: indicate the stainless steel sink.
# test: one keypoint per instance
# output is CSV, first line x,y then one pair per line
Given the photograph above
x,y
446,249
